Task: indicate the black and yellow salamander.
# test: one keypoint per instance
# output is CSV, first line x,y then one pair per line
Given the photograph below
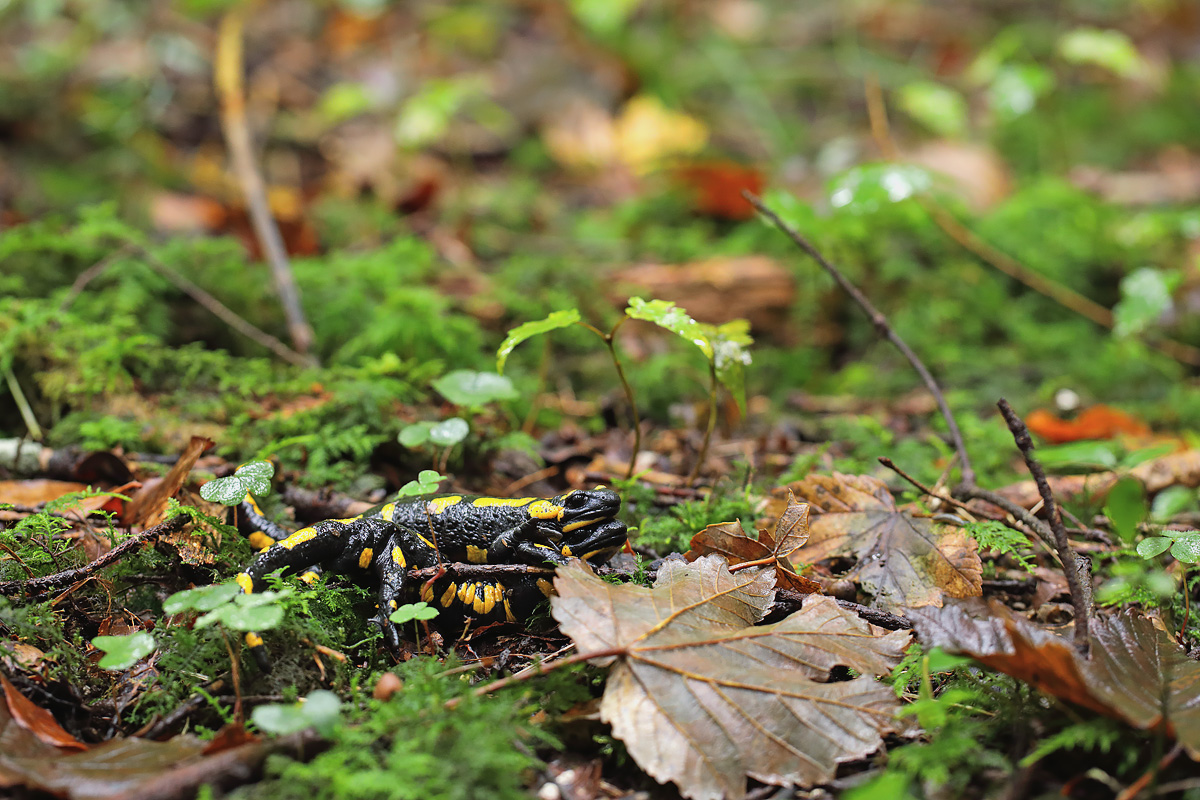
x,y
378,548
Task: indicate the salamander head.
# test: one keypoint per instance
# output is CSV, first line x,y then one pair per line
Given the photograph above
x,y
589,522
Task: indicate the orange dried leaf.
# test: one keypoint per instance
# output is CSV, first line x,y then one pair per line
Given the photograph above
x,y
1097,422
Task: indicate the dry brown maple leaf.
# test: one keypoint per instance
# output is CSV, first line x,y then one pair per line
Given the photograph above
x,y
1135,672
702,697
903,560
729,540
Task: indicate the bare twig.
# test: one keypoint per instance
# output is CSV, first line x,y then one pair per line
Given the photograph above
x,y
1062,544
927,490
881,325
35,430
93,272
227,75
37,585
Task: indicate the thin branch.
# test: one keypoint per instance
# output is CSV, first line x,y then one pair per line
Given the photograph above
x,y
93,272
31,423
927,490
225,313
1061,543
881,325
227,75
70,576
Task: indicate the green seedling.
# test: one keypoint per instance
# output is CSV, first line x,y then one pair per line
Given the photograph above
x,y
250,478
724,346
320,710
466,388
122,652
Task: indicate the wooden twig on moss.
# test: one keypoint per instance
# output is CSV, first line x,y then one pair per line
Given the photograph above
x,y
227,74
881,325
66,577
1062,544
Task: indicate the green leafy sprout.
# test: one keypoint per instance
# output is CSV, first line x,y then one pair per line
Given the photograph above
x,y
250,478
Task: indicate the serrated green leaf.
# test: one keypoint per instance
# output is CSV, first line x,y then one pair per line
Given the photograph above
x,y
667,315
227,491
415,435
410,611
526,330
449,432
1152,546
122,652
465,387
203,598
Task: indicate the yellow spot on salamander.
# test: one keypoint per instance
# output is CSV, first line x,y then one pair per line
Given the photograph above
x,y
426,593
476,555
260,541
511,502
364,558
426,541
544,509
398,557
566,551
440,504
347,520
393,605
448,596
299,537
246,582
508,614
545,587
483,600
466,593
253,640
250,501
310,577
388,511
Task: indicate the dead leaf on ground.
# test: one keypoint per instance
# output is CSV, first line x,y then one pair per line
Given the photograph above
x,y
1097,422
901,559
702,697
148,506
1136,672
37,720
1173,469
729,540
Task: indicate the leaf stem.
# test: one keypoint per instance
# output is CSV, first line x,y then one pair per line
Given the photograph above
x,y
712,421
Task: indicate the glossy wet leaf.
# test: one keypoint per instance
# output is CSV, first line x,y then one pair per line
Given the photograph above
x,y
449,432
427,481
1186,547
1136,672
867,188
1015,89
1153,546
252,478
415,435
465,387
248,612
667,315
122,652
902,559
703,697
557,319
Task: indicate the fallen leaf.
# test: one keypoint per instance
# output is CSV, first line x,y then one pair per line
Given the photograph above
x,y
1136,672
149,505
717,187
901,559
647,134
703,697
1173,469
37,491
1097,422
37,720
730,541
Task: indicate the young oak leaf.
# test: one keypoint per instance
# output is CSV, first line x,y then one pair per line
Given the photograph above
x,y
729,540
901,559
1135,672
703,697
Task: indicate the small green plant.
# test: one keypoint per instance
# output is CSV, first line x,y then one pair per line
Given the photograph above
x,y
468,389
320,710
229,605
411,612
726,347
251,478
993,535
122,652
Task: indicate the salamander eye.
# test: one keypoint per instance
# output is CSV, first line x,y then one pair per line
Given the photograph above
x,y
576,500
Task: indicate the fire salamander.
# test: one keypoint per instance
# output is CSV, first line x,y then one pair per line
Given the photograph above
x,y
379,546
